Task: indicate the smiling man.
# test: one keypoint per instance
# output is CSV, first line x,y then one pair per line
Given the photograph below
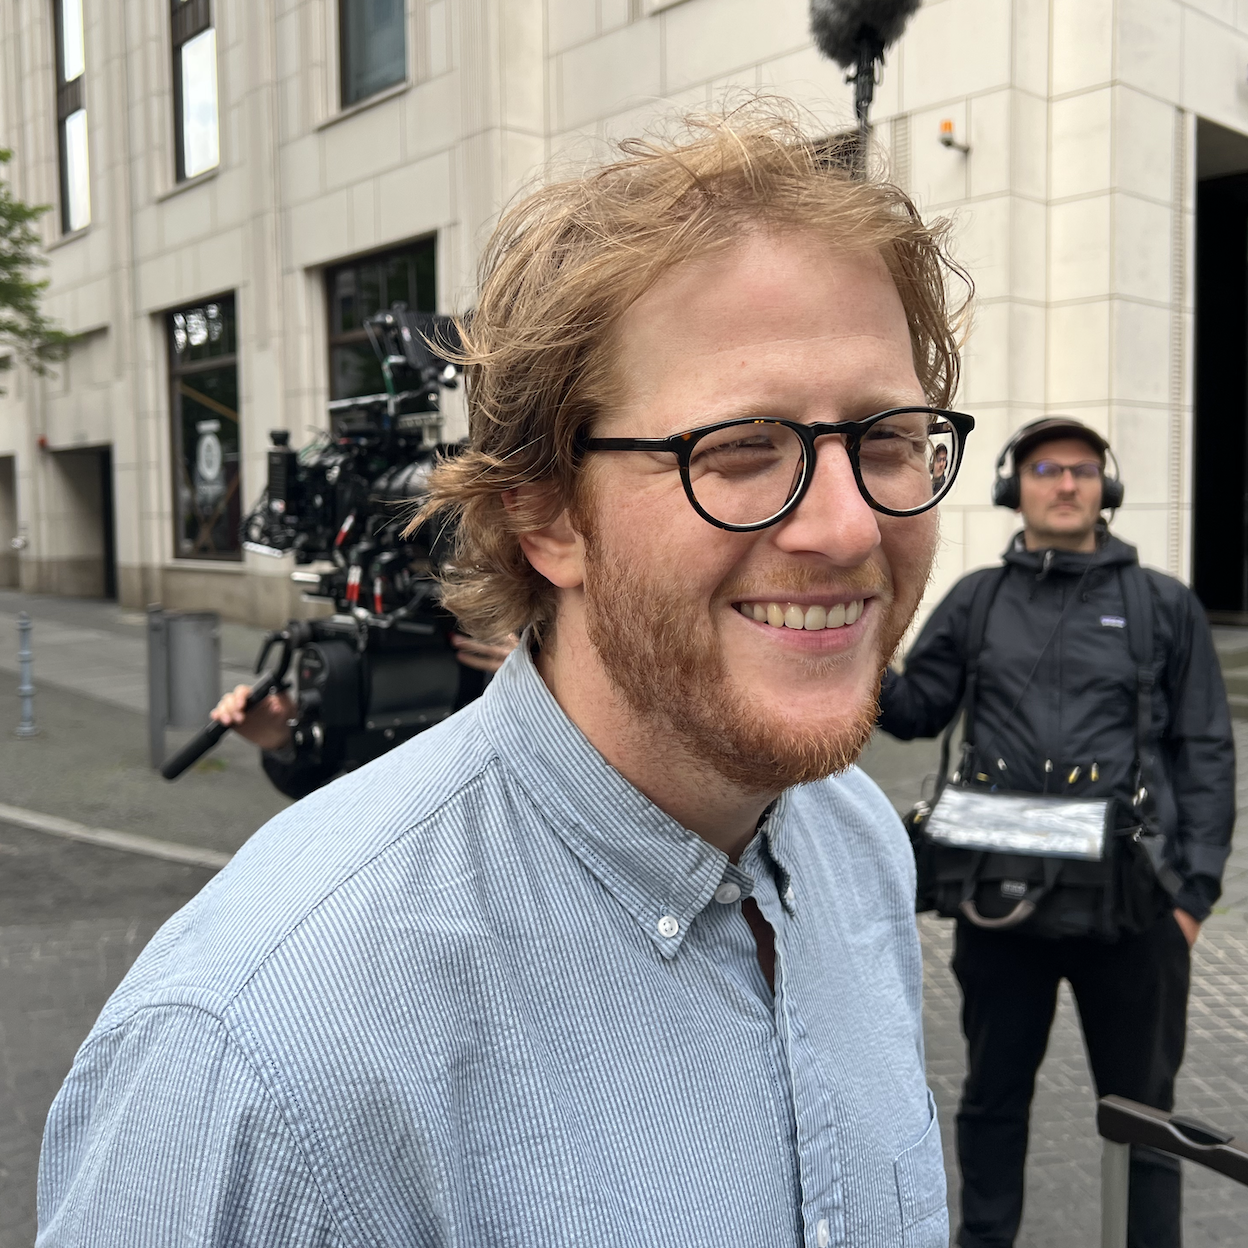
x,y
624,953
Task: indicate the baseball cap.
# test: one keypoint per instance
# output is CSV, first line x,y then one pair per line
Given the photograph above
x,y
1049,430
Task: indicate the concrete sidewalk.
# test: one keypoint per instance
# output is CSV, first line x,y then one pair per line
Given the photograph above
x,y
89,762
99,649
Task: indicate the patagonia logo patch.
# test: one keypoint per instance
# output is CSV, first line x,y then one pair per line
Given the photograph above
x,y
1113,621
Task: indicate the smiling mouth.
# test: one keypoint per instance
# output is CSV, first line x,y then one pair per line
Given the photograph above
x,y
794,615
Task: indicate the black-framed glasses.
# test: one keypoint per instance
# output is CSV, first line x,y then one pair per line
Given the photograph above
x,y
743,475
1051,470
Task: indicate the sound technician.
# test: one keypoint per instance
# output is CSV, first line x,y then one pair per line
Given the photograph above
x,y
1057,710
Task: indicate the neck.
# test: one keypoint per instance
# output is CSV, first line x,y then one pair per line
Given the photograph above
x,y
645,752
1082,543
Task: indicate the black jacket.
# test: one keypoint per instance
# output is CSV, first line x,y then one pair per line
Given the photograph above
x,y
1057,684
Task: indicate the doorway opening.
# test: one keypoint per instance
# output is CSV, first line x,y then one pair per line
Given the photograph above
x,y
84,537
1220,459
9,572
108,524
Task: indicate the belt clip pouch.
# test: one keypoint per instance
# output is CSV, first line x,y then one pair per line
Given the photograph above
x,y
999,855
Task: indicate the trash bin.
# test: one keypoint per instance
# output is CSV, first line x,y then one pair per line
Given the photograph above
x,y
184,671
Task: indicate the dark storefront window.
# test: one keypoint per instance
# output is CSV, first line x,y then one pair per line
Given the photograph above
x,y
203,372
358,290
374,47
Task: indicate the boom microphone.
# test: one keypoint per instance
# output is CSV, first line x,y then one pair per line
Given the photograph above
x,y
841,27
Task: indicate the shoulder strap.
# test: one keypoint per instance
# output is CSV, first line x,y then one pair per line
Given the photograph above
x,y
976,627
1137,597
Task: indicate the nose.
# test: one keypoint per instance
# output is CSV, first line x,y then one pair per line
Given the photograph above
x,y
833,519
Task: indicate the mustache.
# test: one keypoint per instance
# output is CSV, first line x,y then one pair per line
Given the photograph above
x,y
862,581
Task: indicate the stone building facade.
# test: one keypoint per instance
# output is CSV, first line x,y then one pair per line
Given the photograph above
x,y
234,182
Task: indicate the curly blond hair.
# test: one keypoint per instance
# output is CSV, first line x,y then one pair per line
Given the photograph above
x,y
563,265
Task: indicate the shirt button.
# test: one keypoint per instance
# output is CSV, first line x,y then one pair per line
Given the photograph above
x,y
789,895
822,1233
668,926
727,893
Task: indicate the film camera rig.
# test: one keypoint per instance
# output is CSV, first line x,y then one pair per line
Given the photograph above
x,y
381,668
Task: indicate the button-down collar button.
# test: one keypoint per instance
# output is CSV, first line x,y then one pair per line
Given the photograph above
x,y
822,1233
668,926
727,893
789,896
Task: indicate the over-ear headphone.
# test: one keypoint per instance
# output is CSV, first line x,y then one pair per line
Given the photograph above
x,y
1006,491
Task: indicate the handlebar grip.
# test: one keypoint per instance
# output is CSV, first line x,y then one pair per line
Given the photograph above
x,y
195,748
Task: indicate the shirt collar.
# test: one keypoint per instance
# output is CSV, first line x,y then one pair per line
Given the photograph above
x,y
659,871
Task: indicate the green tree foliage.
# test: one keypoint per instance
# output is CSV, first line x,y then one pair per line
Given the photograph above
x,y
27,334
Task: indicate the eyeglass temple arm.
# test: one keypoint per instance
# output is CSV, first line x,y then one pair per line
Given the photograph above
x,y
632,444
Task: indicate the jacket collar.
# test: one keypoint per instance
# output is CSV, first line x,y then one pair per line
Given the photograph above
x,y
658,870
1110,552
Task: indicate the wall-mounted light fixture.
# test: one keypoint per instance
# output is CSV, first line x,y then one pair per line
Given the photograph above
x,y
947,138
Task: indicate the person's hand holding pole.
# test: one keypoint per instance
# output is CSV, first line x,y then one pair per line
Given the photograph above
x,y
266,725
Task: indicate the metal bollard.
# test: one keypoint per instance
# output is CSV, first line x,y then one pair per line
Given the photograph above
x,y
26,683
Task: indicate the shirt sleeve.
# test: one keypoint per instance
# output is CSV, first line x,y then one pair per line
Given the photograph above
x,y
163,1134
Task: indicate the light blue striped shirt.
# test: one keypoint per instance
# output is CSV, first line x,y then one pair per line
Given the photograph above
x,y
482,992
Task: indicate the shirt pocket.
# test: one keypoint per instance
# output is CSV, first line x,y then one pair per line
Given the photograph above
x,y
920,1173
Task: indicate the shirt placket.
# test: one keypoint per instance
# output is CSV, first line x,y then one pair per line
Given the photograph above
x,y
819,1171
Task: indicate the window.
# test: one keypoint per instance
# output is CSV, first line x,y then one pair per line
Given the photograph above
x,y
372,37
360,289
71,117
203,374
195,88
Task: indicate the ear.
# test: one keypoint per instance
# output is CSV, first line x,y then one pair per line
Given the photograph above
x,y
557,551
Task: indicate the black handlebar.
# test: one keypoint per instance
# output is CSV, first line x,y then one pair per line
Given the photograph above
x,y
208,736
1127,1122
289,639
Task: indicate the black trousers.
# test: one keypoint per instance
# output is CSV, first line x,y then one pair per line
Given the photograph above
x,y
1132,1000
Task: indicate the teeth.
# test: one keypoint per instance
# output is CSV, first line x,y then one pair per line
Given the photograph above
x,y
812,619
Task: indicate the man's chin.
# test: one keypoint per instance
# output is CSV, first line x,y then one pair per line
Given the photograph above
x,y
768,752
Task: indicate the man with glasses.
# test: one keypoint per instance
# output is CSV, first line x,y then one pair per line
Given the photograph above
x,y
624,952
1056,711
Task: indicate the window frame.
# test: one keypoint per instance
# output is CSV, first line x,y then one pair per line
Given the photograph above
x,y
344,51
179,371
336,337
71,98
187,20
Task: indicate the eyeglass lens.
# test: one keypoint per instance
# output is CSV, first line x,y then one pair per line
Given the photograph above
x,y
747,472
1051,470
